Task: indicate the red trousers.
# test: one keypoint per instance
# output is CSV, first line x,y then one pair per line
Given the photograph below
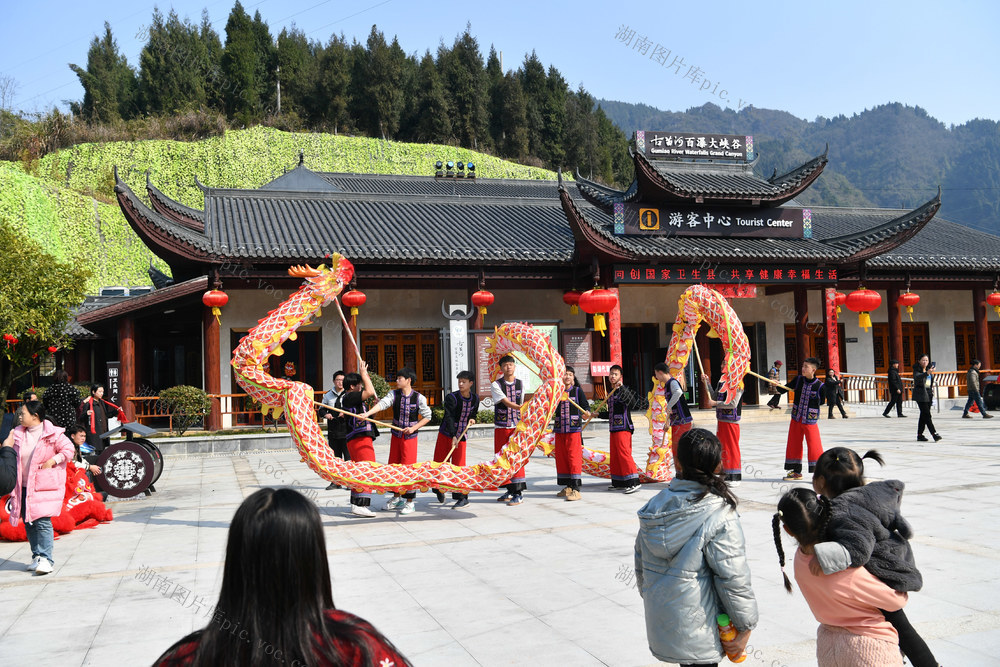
x,y
403,451
793,449
500,438
361,449
623,471
569,459
676,431
729,436
443,446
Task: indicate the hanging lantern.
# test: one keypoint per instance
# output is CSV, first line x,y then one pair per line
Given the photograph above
x,y
908,299
863,301
597,302
994,300
839,298
354,299
215,299
572,299
481,299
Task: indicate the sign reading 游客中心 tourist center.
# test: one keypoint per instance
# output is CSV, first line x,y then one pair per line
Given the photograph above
x,y
694,145
777,222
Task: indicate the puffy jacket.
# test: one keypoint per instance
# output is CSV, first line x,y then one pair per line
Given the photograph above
x,y
46,487
690,563
923,384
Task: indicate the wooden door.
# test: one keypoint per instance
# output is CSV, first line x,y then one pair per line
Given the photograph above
x,y
965,345
816,338
388,351
916,341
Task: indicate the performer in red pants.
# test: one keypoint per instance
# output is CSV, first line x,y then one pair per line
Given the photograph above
x,y
805,413
360,433
508,393
569,441
727,415
681,420
460,408
624,474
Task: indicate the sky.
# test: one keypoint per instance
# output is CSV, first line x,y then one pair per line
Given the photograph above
x,y
808,58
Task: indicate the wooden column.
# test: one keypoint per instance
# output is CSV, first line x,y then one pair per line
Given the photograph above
x,y
979,311
703,351
213,371
801,324
895,327
350,355
126,354
832,332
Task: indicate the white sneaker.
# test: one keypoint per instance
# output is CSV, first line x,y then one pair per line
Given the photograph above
x,y
407,507
394,504
632,489
33,565
44,566
358,510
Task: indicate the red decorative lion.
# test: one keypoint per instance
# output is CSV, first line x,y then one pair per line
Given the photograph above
x,y
82,509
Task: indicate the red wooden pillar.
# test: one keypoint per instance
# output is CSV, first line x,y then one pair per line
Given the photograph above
x,y
703,350
982,335
213,371
615,330
895,327
801,324
832,333
126,354
350,354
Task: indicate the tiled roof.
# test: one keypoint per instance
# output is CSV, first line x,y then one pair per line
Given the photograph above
x,y
456,187
944,245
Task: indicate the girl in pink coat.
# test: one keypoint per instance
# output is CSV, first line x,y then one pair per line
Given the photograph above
x,y
42,453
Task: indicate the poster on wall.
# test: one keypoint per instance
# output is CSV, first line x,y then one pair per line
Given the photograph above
x,y
578,352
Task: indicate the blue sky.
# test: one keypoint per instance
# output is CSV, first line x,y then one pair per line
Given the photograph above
x,y
811,59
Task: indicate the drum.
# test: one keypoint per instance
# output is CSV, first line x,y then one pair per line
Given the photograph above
x,y
129,468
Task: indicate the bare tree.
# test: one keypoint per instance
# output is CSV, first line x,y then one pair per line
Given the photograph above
x,y
8,89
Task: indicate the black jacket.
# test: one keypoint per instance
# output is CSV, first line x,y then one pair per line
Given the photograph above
x,y
895,381
8,470
833,390
923,384
61,401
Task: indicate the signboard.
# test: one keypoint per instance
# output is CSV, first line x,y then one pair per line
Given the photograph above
x,y
849,340
114,382
736,291
787,222
601,369
484,373
459,343
771,274
578,351
694,145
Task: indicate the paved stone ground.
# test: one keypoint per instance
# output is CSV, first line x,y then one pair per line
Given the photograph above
x,y
544,583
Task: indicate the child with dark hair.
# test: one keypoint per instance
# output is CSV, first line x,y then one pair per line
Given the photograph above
x,y
508,395
681,419
276,603
361,434
852,629
805,415
866,529
624,474
409,412
569,439
690,560
728,412
460,409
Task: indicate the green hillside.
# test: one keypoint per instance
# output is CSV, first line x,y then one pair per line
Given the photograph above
x,y
68,201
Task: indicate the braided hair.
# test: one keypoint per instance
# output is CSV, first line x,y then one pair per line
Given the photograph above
x,y
806,516
842,469
699,454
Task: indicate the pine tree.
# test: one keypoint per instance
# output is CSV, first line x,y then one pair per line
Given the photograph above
x,y
110,88
379,75
173,66
245,62
494,96
553,110
431,112
333,80
213,64
465,81
513,118
532,75
297,62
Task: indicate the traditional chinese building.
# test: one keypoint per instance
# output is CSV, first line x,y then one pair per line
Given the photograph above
x,y
696,212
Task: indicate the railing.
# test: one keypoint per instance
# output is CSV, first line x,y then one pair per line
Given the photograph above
x,y
875,388
242,409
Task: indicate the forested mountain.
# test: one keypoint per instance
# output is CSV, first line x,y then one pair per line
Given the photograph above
x,y
892,155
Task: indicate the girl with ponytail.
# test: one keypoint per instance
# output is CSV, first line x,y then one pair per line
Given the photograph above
x,y
690,560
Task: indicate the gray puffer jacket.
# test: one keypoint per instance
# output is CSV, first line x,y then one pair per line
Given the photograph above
x,y
691,565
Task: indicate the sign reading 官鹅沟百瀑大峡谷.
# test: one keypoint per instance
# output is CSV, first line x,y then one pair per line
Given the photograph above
x,y
778,222
676,145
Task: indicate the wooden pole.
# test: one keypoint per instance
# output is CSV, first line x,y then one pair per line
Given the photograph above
x,y
767,379
351,414
594,412
455,444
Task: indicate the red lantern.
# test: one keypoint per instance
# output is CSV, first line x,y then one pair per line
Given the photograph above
x,y
597,302
863,301
572,299
215,299
994,300
481,299
354,299
53,349
908,299
839,298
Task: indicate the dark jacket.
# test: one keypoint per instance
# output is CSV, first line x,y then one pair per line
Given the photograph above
x,y
867,522
61,401
97,423
8,470
833,390
972,381
895,381
923,384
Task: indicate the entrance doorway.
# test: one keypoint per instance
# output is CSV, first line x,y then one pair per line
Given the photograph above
x,y
816,340
388,351
965,345
639,355
916,340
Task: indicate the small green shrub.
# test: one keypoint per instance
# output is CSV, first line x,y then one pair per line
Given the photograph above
x,y
187,405
484,417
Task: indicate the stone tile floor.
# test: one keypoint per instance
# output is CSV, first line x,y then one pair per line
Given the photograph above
x,y
545,583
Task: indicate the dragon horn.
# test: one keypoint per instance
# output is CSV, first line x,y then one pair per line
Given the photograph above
x,y
303,271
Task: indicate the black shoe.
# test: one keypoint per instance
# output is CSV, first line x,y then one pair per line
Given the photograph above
x,y
922,438
846,417
461,503
439,495
333,486
966,416
936,437
887,416
902,415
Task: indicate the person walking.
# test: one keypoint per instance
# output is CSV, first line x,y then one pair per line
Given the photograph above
x,y
775,376
895,390
923,394
834,394
972,386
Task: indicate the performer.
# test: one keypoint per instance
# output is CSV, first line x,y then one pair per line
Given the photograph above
x,y
360,433
409,412
727,415
680,415
336,423
774,374
94,414
895,390
805,413
569,441
624,474
460,408
508,393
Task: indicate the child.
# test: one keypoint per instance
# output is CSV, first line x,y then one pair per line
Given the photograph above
x,y
84,458
624,474
360,433
569,441
460,409
690,560
727,416
805,413
680,415
852,630
409,412
867,529
508,394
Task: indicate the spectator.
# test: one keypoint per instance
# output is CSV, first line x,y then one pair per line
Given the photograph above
x,y
61,400
94,414
775,376
8,469
895,390
834,394
972,386
923,396
13,419
336,429
276,603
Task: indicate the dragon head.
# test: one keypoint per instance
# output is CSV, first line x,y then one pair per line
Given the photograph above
x,y
326,282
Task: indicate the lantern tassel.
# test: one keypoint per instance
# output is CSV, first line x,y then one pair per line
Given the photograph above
x,y
909,311
354,311
864,321
997,310
599,323
838,310
575,309
482,310
216,311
